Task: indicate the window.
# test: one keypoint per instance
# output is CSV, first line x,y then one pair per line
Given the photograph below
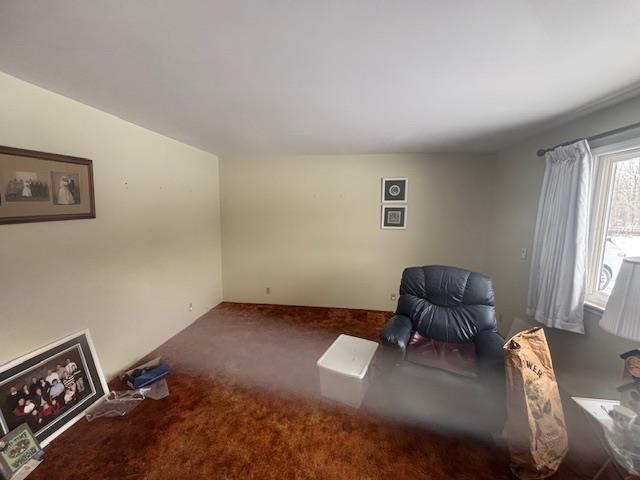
x,y
615,222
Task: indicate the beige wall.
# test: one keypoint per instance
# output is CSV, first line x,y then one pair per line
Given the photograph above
x,y
587,362
128,275
308,227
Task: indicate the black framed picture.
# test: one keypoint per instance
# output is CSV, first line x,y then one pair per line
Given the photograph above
x,y
393,217
395,190
50,389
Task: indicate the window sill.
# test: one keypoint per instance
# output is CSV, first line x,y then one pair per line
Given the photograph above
x,y
594,308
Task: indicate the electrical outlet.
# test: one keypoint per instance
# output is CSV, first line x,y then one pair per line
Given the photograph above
x,y
191,307
393,297
523,253
267,290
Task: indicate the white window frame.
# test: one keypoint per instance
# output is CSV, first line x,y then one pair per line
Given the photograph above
x,y
605,158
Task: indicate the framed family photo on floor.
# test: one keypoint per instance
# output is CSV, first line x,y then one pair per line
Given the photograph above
x,y
40,187
50,389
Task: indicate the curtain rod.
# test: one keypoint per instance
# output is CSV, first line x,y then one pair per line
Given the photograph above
x,y
592,138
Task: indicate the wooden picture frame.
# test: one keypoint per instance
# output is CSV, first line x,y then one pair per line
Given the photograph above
x,y
68,380
44,187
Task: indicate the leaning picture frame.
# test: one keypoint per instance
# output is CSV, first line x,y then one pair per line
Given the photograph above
x,y
50,389
41,187
19,451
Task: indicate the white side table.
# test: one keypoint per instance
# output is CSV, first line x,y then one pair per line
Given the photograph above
x,y
599,419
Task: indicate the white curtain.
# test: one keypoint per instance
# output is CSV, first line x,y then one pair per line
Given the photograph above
x,y
558,278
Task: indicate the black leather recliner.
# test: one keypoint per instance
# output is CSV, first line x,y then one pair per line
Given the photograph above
x,y
454,309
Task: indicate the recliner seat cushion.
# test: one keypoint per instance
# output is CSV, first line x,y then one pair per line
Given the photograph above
x,y
457,358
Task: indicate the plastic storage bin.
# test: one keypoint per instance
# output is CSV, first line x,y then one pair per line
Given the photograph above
x,y
343,369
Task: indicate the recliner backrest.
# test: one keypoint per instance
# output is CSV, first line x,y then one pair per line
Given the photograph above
x,y
447,304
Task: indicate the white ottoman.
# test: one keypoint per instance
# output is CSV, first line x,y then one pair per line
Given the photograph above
x,y
343,369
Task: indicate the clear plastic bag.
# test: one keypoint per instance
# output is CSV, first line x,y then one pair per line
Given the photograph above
x,y
156,390
115,404
625,446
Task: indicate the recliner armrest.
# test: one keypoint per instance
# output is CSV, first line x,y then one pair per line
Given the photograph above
x,y
397,333
490,358
489,350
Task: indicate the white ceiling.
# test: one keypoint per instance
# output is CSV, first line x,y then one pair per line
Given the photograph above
x,y
327,76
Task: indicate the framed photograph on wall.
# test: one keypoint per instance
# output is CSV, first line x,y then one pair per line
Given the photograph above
x,y
50,389
393,217
40,187
395,190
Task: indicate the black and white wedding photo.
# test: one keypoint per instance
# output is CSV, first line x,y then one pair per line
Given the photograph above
x,y
66,188
27,187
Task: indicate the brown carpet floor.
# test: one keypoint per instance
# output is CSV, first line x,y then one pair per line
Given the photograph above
x,y
245,404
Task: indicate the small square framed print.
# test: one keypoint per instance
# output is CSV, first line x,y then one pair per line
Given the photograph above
x,y
17,449
393,217
395,190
